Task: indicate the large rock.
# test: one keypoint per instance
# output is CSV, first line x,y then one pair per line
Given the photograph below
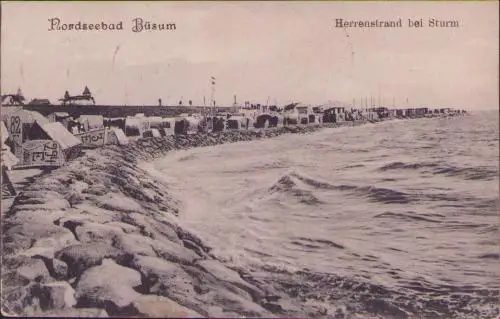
x,y
88,213
120,203
163,277
78,186
153,306
59,269
24,236
56,295
230,279
28,271
55,242
45,194
234,303
134,244
95,233
40,203
33,270
19,300
109,286
149,227
43,251
126,228
83,256
174,252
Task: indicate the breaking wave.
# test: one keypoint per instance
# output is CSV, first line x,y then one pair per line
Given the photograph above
x,y
302,187
401,165
473,173
467,173
407,229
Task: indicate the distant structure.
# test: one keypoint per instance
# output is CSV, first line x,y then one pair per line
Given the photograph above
x,y
84,99
13,99
39,102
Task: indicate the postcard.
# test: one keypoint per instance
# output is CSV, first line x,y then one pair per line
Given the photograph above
x,y
223,159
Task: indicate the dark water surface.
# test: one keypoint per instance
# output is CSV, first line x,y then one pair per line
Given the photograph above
x,y
398,219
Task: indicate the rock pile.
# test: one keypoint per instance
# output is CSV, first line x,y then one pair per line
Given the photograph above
x,y
99,237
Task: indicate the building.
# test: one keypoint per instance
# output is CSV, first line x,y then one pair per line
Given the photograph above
x,y
84,99
13,99
39,102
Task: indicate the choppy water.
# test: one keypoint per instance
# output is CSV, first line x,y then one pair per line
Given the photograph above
x,y
397,219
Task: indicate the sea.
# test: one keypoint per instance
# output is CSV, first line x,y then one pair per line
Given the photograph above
x,y
397,219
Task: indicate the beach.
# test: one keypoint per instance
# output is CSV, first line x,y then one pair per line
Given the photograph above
x,y
141,211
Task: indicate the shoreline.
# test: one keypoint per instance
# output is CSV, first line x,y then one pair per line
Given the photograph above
x,y
73,230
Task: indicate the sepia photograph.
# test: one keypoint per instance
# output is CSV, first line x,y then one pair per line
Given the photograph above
x,y
250,159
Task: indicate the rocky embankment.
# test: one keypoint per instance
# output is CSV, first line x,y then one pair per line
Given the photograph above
x,y
99,237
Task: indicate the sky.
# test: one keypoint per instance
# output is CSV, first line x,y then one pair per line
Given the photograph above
x,y
259,51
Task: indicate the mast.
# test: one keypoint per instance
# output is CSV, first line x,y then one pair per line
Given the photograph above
x,y
212,99
379,95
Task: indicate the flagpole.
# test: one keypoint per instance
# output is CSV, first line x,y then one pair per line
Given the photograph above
x,y
212,104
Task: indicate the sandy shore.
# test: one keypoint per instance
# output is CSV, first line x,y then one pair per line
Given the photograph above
x,y
100,237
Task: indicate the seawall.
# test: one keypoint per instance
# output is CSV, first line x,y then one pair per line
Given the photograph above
x,y
114,111
100,237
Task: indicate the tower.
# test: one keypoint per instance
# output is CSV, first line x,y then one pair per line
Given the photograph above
x,y
86,92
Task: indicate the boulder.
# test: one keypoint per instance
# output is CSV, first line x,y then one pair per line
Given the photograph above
x,y
90,232
19,300
21,236
83,256
89,212
227,275
40,204
56,295
37,203
33,270
163,277
153,306
126,228
174,252
120,203
235,303
109,286
78,186
43,251
59,268
57,241
134,244
44,216
149,227
46,194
